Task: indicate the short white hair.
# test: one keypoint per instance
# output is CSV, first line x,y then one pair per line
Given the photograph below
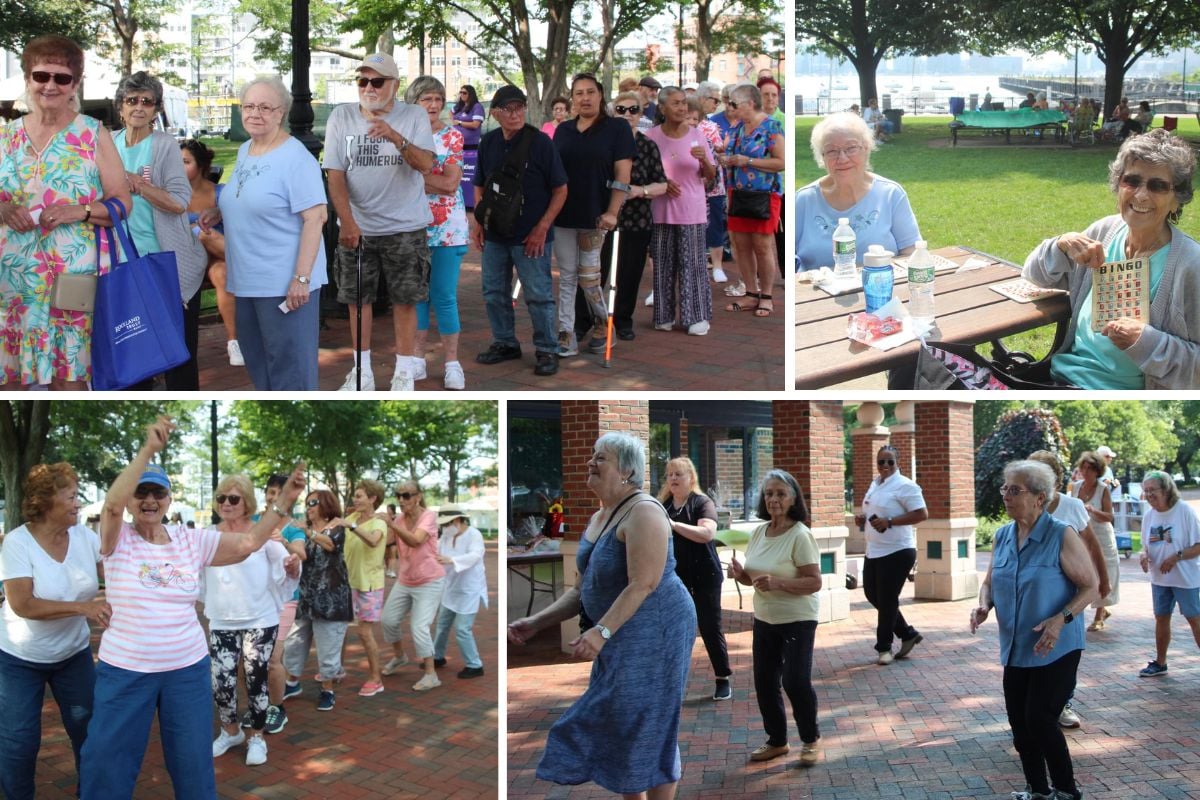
x,y
846,124
629,452
276,85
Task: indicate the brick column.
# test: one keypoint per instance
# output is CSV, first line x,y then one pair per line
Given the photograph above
x,y
946,473
904,435
865,440
809,444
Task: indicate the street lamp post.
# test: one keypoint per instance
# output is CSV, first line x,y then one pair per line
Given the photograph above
x,y
300,120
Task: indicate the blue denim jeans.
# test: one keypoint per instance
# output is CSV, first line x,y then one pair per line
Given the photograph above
x,y
462,624
22,692
536,284
280,349
126,703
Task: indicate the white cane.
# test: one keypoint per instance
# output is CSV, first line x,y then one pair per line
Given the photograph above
x,y
612,297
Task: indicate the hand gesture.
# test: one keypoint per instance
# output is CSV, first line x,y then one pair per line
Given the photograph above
x,y
764,583
1124,332
1082,250
98,612
698,152
291,566
294,486
588,645
380,129
1050,629
979,615
880,524
521,630
158,432
17,217
209,219
736,571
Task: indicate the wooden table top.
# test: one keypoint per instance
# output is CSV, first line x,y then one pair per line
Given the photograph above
x,y
968,312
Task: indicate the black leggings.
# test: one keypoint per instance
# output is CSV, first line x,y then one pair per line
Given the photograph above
x,y
883,579
1033,697
707,596
253,646
784,653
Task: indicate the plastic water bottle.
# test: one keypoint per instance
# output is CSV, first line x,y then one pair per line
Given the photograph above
x,y
877,277
920,286
845,250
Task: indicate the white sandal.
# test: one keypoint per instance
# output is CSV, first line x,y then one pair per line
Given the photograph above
x,y
736,290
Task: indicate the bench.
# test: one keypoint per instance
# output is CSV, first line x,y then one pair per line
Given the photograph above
x,y
1024,119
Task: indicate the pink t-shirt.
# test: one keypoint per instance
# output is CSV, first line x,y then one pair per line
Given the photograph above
x,y
691,207
153,590
419,565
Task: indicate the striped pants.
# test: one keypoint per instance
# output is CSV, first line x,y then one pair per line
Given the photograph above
x,y
680,260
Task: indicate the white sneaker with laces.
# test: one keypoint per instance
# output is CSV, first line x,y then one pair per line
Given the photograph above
x,y
402,381
649,299
235,353
418,368
428,681
256,751
719,275
224,741
698,328
454,377
368,381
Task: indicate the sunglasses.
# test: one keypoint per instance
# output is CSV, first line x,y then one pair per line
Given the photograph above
x,y
143,101
145,489
312,503
232,499
1154,185
627,109
732,105
376,83
406,495
61,78
886,462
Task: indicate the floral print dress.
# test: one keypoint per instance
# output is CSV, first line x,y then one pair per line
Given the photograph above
x,y
449,228
39,343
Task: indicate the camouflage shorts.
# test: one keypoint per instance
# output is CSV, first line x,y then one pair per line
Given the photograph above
x,y
404,260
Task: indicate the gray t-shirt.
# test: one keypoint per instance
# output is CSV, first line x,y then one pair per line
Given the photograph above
x,y
386,195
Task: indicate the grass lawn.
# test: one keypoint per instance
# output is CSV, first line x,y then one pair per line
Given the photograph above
x,y
1002,200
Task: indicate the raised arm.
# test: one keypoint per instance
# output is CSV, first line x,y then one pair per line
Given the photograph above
x,y
119,494
236,547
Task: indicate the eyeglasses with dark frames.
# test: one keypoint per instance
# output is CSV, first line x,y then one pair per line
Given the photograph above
x,y
1153,185
142,101
144,490
886,462
313,503
61,78
376,83
634,109
406,495
232,499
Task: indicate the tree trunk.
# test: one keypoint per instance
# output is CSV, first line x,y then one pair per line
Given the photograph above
x,y
452,482
607,54
703,39
1114,78
24,426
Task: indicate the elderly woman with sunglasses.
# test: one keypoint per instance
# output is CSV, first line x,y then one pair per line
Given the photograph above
x,y
1152,178
161,195
891,509
242,602
153,657
878,208
1040,581
55,166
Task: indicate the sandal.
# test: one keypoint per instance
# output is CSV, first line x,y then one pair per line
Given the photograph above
x,y
759,310
738,305
736,289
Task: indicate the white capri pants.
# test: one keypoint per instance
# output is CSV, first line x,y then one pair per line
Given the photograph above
x,y
329,636
420,604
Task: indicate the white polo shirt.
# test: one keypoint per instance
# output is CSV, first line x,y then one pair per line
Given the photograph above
x,y
894,497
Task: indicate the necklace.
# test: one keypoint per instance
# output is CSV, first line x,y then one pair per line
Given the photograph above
x,y
676,513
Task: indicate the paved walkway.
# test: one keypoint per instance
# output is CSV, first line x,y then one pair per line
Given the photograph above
x,y
740,353
932,727
400,744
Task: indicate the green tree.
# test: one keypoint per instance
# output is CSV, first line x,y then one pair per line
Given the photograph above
x,y
25,19
865,31
120,23
1142,439
745,27
1184,416
273,23
988,413
1017,434
24,426
411,23
455,438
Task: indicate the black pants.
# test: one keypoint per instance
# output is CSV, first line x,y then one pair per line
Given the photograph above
x,y
784,654
706,593
185,377
883,578
631,262
1033,697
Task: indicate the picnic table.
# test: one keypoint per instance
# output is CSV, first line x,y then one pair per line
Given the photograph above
x,y
523,565
1021,119
968,312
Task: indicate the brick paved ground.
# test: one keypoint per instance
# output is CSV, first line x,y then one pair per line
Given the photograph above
x,y
400,744
929,728
741,352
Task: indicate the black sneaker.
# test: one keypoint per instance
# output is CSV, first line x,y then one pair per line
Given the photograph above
x,y
439,662
291,690
325,702
499,352
597,345
276,719
906,645
626,334
547,364
471,672
724,690
246,723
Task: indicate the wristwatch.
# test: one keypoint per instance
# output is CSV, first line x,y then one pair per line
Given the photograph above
x,y
605,633
303,280
1068,617
353,527
277,510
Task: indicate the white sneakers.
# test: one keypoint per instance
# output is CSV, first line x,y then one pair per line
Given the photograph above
x,y
428,681
224,741
698,328
368,380
649,299
235,353
718,275
256,751
418,368
454,377
394,664
402,381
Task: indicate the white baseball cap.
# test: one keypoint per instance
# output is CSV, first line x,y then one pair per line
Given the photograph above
x,y
382,63
1105,450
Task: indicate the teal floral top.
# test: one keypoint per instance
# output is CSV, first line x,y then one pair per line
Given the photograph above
x,y
756,145
39,343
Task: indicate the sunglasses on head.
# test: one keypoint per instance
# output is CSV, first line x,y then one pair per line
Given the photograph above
x,y
886,462
375,82
634,109
61,78
313,503
144,101
406,495
145,489
1154,185
232,499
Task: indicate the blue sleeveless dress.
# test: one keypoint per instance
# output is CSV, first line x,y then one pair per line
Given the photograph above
x,y
622,733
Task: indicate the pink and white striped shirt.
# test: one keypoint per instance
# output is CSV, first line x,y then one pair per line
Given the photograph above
x,y
153,590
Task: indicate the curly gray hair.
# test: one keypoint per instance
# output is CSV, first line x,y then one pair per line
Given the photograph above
x,y
141,81
1159,147
844,123
1036,476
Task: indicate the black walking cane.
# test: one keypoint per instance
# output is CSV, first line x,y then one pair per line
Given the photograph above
x,y
358,253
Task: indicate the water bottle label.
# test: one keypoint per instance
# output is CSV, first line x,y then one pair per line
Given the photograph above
x,y
844,247
920,274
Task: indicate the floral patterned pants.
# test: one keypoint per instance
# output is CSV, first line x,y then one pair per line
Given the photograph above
x,y
253,646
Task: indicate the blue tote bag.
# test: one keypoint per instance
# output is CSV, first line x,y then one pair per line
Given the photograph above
x,y
137,327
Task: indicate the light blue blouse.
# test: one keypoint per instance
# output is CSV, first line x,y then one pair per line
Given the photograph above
x,y
883,217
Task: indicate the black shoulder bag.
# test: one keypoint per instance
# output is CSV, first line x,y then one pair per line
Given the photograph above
x,y
500,207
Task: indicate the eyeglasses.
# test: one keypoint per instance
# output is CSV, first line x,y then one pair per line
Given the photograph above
x,y
627,109
312,503
143,100
1153,185
834,153
463,94
406,495
1012,491
512,108
145,489
61,78
376,83
732,105
886,462
259,108
232,499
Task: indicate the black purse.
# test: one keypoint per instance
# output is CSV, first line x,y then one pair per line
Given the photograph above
x,y
947,365
750,204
